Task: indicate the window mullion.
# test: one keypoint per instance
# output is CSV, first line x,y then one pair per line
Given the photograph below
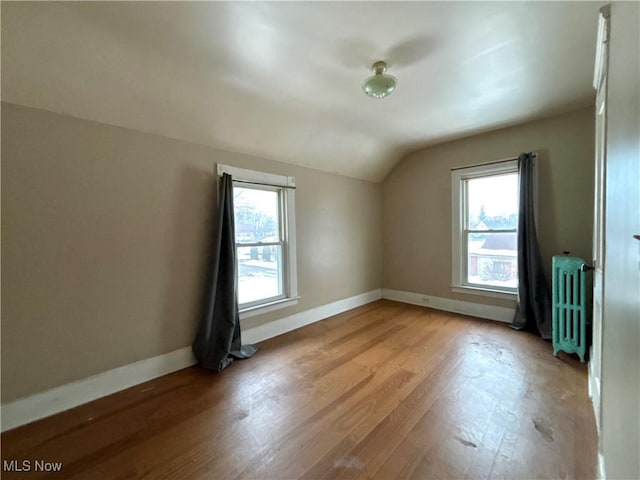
x,y
495,230
259,244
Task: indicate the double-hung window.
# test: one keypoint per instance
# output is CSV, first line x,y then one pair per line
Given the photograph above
x,y
264,214
484,234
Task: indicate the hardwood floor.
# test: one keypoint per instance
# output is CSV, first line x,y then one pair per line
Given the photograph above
x,y
383,391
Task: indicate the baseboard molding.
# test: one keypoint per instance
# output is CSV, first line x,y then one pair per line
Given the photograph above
x,y
490,312
44,404
298,320
602,475
594,395
40,405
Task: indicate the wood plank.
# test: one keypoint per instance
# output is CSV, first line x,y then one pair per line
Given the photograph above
x,y
386,390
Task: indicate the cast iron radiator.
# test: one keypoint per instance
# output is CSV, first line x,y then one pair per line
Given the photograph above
x,y
569,315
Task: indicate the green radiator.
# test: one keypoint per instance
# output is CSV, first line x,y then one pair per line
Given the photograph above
x,y
569,315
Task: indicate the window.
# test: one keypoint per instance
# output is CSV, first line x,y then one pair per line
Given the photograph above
x,y
265,240
485,222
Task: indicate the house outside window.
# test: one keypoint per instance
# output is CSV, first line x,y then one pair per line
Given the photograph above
x,y
264,215
484,229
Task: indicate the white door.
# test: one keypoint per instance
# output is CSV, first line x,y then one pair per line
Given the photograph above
x,y
600,83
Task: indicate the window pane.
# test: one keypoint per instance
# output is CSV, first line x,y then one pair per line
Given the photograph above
x,y
259,273
492,202
492,259
257,215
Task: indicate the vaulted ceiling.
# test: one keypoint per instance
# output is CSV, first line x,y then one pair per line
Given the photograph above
x,y
282,80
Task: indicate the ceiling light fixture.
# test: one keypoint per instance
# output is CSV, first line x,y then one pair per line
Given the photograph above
x,y
379,85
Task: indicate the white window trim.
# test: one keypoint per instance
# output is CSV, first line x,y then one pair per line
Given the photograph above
x,y
290,269
458,258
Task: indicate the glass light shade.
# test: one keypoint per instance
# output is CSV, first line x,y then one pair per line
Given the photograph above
x,y
379,85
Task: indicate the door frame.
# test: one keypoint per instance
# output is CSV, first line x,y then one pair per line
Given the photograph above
x,y
599,239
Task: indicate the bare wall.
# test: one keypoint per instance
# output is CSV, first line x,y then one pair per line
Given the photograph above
x,y
105,244
417,200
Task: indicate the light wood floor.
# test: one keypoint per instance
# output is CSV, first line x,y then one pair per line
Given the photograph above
x,y
383,391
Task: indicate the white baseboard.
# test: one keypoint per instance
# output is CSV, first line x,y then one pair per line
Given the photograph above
x,y
40,405
602,475
490,312
594,394
58,399
297,320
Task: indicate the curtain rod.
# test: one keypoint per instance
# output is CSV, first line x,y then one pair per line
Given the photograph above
x,y
505,160
261,183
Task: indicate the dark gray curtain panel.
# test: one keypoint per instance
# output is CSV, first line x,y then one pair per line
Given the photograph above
x,y
218,339
533,312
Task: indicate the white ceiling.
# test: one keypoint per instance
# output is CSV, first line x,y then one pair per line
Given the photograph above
x,y
282,80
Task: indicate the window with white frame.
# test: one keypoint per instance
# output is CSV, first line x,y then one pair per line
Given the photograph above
x,y
264,214
485,222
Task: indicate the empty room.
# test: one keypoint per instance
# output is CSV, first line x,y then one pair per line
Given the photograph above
x,y
278,240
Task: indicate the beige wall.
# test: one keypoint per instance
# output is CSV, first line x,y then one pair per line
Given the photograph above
x,y
105,233
417,200
620,428
105,243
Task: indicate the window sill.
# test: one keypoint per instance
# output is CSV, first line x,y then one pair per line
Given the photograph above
x,y
485,292
268,307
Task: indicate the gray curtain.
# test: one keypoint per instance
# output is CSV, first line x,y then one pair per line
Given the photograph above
x,y
218,340
533,312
